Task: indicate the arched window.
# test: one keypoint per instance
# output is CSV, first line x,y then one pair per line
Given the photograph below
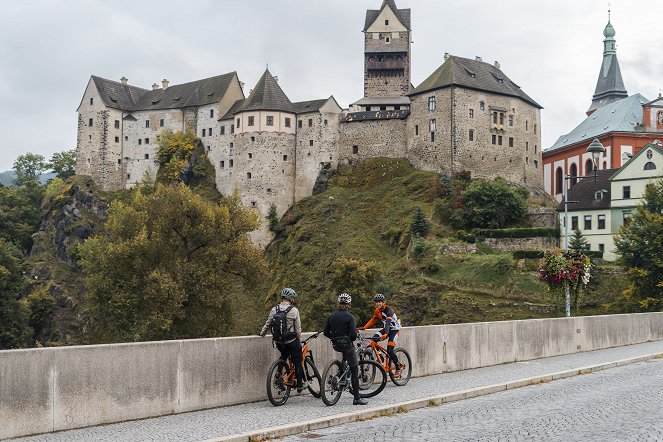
x,y
650,166
659,117
589,166
559,180
573,171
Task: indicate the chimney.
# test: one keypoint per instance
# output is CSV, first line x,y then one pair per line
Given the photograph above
x,y
477,58
124,80
497,64
164,84
276,78
155,87
447,56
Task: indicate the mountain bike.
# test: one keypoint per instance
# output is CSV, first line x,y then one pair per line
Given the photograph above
x,y
337,377
281,376
375,352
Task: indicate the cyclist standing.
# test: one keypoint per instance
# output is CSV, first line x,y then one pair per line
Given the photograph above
x,y
391,327
341,329
286,327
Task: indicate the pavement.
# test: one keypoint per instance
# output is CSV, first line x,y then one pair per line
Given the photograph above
x,y
301,413
619,404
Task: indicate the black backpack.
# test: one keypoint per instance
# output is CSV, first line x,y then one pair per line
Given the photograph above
x,y
279,325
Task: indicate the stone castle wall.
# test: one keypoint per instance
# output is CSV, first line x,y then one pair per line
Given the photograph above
x,y
360,140
426,152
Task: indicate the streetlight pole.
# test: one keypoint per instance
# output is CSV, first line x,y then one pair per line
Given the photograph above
x,y
566,235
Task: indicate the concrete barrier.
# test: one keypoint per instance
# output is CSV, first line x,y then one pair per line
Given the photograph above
x,y
51,389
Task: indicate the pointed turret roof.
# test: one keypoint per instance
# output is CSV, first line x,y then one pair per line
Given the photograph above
x,y
610,85
267,95
402,14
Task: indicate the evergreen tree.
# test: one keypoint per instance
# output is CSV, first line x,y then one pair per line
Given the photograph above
x,y
640,244
578,242
273,218
14,330
420,225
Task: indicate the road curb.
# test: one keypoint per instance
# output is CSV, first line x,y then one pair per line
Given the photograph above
x,y
436,400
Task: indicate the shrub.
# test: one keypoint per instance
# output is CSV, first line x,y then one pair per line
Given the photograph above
x,y
527,254
465,236
492,204
418,247
432,267
529,232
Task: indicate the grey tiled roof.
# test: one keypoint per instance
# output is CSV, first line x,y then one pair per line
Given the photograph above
x,y
402,14
377,115
472,74
610,85
267,95
131,98
621,116
196,93
302,107
585,189
117,95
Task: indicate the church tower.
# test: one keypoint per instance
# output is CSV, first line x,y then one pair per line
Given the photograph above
x,y
610,85
387,51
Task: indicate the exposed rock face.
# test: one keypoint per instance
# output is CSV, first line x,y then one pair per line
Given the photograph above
x,y
321,182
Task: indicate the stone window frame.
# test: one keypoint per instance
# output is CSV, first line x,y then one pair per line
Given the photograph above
x,y
482,105
386,23
355,149
471,113
222,164
223,129
251,121
147,156
231,162
500,139
147,124
117,124
204,131
310,122
232,128
526,146
269,120
470,135
238,124
285,157
161,122
416,129
299,124
501,118
91,101
117,139
432,125
147,141
493,139
325,122
510,141
536,164
90,122
287,122
510,120
431,103
250,156
310,143
211,113
526,125
140,142
209,131
248,177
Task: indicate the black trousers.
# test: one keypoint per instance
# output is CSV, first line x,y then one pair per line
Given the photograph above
x,y
350,355
294,351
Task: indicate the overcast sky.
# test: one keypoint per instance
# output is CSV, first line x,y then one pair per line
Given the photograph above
x,y
553,50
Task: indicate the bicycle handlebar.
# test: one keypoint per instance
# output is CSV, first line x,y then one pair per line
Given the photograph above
x,y
313,336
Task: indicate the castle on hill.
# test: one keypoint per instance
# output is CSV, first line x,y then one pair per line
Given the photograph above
x,y
466,116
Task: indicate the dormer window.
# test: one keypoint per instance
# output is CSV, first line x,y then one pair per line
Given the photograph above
x,y
598,195
470,73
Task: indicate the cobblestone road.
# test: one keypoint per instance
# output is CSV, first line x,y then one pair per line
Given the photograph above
x,y
620,404
201,425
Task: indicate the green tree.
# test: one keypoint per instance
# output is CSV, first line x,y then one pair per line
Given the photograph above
x,y
491,204
640,244
20,213
418,247
41,305
14,330
63,163
173,151
420,225
165,265
273,218
578,242
29,167
358,278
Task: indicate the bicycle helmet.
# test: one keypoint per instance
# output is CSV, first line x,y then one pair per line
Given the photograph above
x,y
379,297
288,293
344,298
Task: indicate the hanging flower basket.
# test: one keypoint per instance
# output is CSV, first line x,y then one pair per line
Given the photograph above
x,y
560,270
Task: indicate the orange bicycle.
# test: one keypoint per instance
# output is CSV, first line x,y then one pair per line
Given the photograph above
x,y
375,352
281,376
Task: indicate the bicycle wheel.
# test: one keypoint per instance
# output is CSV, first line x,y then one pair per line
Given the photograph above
x,y
277,390
372,378
368,376
313,377
405,366
332,387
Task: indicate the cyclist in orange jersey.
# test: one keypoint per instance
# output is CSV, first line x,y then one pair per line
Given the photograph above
x,y
391,327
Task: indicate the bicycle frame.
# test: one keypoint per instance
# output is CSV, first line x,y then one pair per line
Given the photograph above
x,y
306,351
381,355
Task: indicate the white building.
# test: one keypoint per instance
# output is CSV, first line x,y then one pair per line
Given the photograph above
x,y
599,207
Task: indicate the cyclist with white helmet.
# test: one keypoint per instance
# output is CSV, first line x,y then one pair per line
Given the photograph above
x,y
286,326
342,330
391,327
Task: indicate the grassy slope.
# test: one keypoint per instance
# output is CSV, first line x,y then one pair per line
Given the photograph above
x,y
366,213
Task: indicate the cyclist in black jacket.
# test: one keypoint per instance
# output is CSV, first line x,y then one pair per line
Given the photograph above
x,y
342,330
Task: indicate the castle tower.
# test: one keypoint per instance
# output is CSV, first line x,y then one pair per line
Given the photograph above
x,y
610,85
387,51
